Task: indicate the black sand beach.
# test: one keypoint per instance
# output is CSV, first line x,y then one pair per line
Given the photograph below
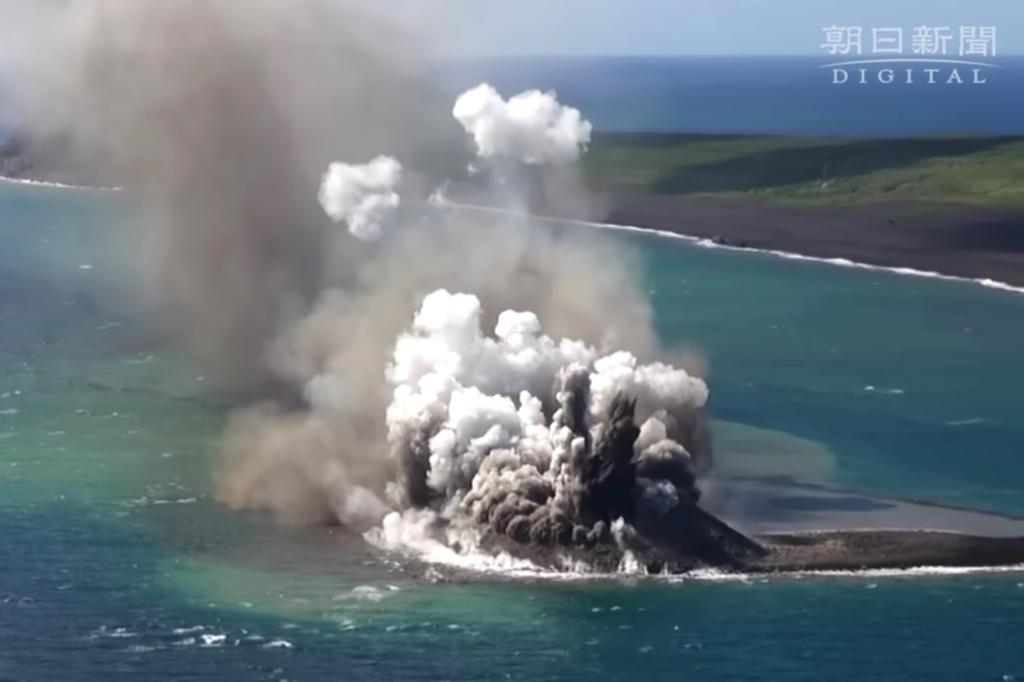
x,y
958,239
780,525
884,549
809,527
825,550
951,239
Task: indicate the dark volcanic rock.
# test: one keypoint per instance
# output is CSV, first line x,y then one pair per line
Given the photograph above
x,y
609,473
785,553
884,549
612,521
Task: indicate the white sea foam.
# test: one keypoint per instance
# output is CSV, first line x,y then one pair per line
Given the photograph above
x,y
188,630
970,421
363,593
699,241
141,649
112,633
887,391
708,243
474,560
28,182
213,640
720,576
841,262
416,543
711,575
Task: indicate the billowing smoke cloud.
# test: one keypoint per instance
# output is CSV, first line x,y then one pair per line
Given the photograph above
x,y
510,433
222,117
363,196
303,465
532,127
219,118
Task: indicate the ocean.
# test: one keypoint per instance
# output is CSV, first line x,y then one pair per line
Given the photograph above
x,y
757,95
118,564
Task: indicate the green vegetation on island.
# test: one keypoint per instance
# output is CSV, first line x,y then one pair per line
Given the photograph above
x,y
814,171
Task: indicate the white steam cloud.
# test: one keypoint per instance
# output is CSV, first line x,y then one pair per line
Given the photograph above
x,y
546,437
491,434
363,196
532,127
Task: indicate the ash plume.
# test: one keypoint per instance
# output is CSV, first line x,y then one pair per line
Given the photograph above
x,y
220,118
223,115
531,439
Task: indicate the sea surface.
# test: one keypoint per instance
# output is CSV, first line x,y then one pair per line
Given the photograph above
x,y
760,95
116,563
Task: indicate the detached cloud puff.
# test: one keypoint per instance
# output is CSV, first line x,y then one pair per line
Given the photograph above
x,y
362,195
532,126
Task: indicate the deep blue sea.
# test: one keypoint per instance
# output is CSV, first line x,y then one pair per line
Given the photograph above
x,y
116,563
779,95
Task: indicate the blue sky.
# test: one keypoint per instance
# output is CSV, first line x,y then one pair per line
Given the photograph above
x,y
702,27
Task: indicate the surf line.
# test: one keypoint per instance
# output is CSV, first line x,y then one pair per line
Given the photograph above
x,y
28,182
789,255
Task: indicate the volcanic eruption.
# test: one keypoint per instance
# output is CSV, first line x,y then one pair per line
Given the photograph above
x,y
356,263
561,431
546,447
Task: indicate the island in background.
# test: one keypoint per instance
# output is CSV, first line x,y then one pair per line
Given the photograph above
x,y
953,205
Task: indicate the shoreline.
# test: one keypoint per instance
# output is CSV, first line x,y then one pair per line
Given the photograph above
x,y
822,553
709,241
898,550
935,241
824,540
946,241
29,182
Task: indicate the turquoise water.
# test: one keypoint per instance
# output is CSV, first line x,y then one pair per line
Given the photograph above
x,y
912,382
118,564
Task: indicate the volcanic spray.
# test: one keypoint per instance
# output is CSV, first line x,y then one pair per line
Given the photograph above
x,y
519,439
449,381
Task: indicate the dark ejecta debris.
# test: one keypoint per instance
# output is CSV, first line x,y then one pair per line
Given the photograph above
x,y
619,500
